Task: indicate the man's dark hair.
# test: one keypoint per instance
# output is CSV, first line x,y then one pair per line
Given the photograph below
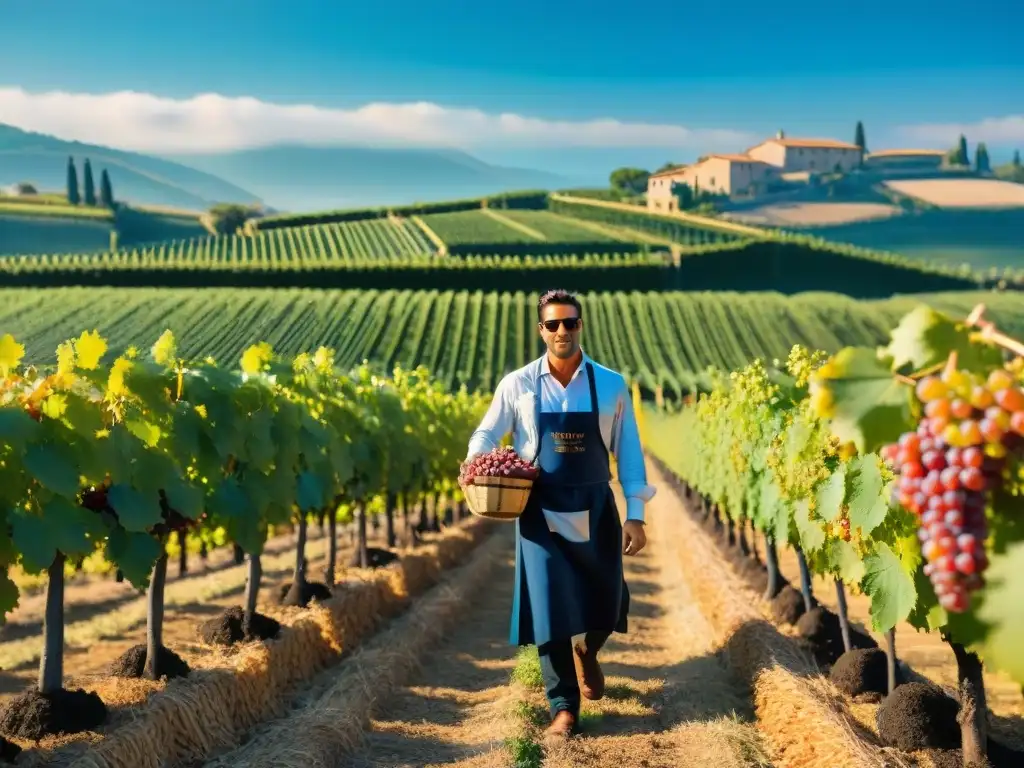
x,y
558,296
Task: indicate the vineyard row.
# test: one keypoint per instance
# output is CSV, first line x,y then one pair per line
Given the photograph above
x,y
665,340
674,228
270,262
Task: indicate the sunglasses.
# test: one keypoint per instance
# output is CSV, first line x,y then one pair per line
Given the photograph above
x,y
570,323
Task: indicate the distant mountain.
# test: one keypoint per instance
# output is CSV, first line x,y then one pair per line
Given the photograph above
x,y
289,178
303,178
42,160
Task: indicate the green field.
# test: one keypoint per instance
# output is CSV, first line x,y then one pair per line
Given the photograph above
x,y
136,227
355,249
473,338
526,231
373,241
53,208
521,232
45,228
983,239
560,229
46,223
382,291
474,228
32,235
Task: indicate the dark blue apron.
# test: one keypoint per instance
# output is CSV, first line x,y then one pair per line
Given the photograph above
x,y
569,581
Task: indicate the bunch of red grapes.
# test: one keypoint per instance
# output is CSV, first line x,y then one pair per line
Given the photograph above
x,y
948,467
501,462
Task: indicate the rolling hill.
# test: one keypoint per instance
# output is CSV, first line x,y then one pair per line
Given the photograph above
x,y
286,177
318,178
137,178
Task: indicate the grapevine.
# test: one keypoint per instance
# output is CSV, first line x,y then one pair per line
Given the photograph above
x,y
113,457
897,472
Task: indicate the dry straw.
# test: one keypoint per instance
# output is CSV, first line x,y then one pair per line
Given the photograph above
x,y
193,718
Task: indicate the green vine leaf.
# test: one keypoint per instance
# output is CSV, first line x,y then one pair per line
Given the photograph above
x,y
889,582
925,338
869,406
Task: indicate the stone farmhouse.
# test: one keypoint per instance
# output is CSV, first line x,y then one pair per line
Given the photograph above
x,y
761,168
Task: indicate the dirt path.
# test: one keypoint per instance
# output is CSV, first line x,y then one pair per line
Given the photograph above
x,y
449,713
430,688
670,698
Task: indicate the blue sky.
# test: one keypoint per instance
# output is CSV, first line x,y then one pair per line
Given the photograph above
x,y
810,67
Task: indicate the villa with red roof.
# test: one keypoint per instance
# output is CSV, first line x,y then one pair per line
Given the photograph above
x,y
749,173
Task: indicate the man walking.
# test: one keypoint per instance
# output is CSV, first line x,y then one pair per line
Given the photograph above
x,y
567,413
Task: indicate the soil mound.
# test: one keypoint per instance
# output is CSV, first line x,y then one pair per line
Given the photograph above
x,y
33,715
132,663
8,750
919,716
999,756
227,628
375,557
863,671
819,627
788,605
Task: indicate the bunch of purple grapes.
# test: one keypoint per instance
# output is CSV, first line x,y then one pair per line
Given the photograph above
x,y
946,488
501,462
948,467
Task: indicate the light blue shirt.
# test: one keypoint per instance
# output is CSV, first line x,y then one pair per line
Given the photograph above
x,y
512,410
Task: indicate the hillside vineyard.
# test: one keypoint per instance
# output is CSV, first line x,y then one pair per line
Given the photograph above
x,y
469,246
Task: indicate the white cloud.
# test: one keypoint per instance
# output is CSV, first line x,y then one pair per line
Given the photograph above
x,y
994,131
210,122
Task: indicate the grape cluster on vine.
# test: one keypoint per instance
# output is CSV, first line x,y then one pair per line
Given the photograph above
x,y
501,462
948,467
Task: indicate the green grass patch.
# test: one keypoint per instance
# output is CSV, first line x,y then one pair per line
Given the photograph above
x,y
589,718
526,712
527,670
524,749
526,753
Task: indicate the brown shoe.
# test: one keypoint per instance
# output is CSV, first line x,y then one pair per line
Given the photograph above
x,y
588,673
563,725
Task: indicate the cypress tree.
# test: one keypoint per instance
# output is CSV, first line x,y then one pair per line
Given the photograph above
x,y
90,185
962,153
981,162
106,191
858,137
1016,158
74,198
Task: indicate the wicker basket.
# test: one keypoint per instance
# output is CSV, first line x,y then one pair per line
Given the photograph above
x,y
497,498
